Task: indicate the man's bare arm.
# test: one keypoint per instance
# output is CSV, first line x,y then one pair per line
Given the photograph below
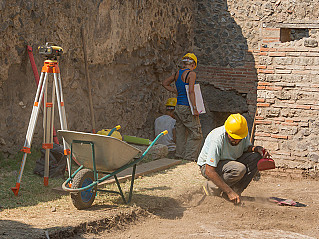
x,y
167,84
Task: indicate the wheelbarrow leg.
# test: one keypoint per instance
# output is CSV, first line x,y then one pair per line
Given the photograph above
x,y
132,183
120,189
131,188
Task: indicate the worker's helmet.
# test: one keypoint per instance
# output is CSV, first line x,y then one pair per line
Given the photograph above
x,y
236,126
190,57
171,103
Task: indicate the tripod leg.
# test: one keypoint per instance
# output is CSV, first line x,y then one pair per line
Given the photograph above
x,y
63,122
31,127
48,134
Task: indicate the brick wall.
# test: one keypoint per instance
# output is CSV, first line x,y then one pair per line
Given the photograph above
x,y
241,79
258,49
287,100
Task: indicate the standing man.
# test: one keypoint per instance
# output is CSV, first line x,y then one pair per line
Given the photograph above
x,y
167,122
188,127
228,160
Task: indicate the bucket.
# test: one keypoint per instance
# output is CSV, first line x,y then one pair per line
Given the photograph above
x,y
265,163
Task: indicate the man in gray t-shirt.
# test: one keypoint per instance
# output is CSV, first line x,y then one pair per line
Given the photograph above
x,y
167,122
228,160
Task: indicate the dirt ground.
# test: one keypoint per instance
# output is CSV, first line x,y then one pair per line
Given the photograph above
x,y
171,204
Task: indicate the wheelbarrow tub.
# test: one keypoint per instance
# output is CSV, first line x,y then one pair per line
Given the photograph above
x,y
110,153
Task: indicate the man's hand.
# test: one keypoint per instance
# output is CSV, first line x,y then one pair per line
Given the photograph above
x,y
234,197
219,182
263,152
195,112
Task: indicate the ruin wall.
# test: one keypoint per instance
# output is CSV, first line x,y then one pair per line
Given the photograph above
x,y
131,46
234,41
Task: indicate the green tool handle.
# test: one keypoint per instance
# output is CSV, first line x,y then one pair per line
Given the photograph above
x,y
112,130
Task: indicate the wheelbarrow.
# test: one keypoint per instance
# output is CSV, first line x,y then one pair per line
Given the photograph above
x,y
99,154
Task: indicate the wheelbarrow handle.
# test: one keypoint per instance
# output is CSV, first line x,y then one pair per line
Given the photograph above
x,y
154,142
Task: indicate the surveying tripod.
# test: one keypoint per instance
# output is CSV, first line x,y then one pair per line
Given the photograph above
x,y
50,67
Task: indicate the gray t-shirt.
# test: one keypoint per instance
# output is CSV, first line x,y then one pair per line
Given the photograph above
x,y
217,147
165,122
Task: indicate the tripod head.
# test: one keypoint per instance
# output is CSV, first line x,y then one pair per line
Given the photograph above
x,y
50,51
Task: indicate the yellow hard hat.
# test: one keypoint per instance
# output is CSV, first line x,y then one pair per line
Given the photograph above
x,y
236,126
191,56
171,102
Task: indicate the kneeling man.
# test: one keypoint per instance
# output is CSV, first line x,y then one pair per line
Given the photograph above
x,y
228,159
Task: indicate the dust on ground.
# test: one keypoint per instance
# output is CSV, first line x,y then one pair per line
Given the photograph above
x,y
172,204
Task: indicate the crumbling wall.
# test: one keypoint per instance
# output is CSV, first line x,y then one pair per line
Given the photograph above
x,y
132,46
229,36
234,45
288,108
226,61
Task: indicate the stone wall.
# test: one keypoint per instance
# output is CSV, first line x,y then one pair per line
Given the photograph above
x,y
288,108
132,46
233,40
228,36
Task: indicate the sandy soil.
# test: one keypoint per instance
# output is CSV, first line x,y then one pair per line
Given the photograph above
x,y
213,217
171,204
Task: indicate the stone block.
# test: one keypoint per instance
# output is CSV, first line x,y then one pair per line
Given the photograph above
x,y
156,152
310,42
314,157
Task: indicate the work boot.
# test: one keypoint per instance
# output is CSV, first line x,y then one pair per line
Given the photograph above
x,y
210,189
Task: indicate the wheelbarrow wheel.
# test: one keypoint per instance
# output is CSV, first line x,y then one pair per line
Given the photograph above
x,y
83,199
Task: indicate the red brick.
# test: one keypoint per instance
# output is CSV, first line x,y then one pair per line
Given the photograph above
x,y
306,107
264,49
259,117
279,119
263,122
261,87
263,104
262,134
289,124
279,136
289,120
261,100
261,83
277,54
266,71
261,67
273,88
272,29
300,72
271,38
